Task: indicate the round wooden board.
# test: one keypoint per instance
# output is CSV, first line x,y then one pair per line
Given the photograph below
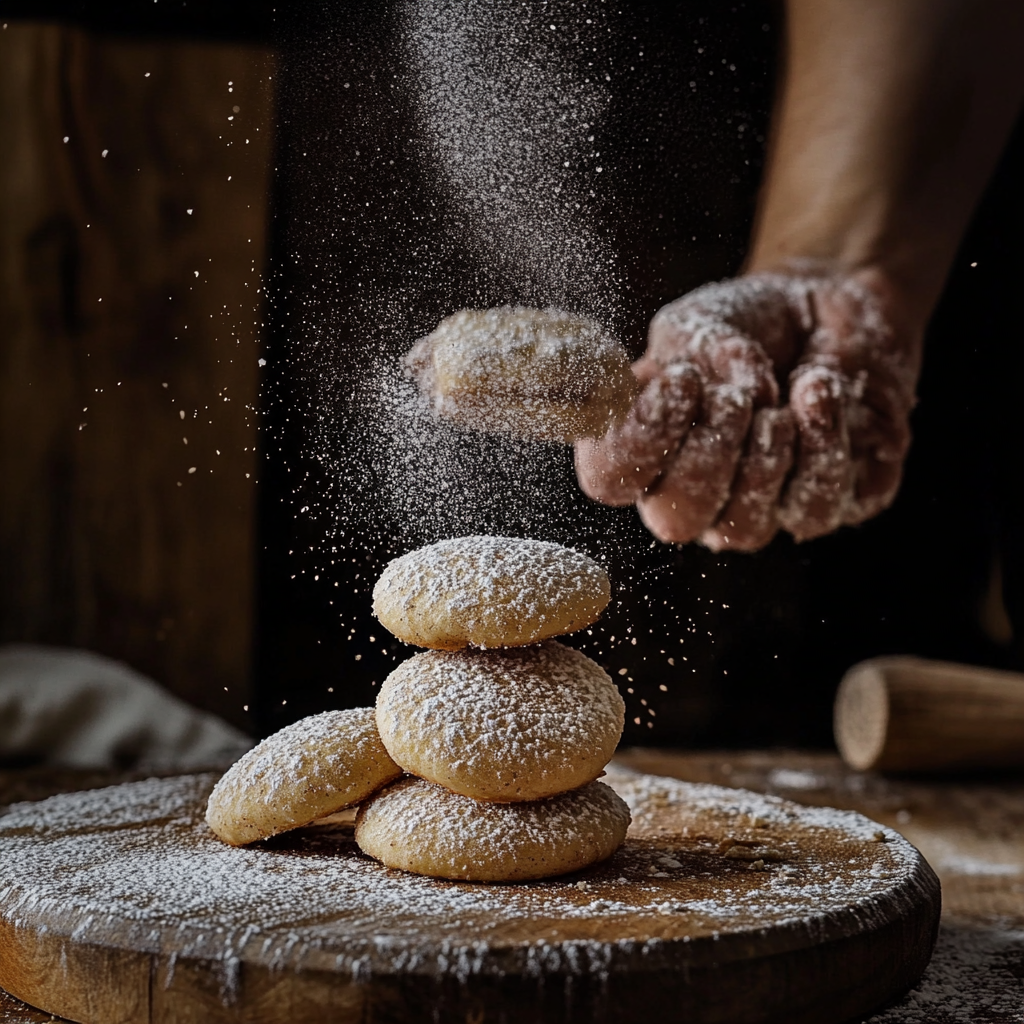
x,y
118,905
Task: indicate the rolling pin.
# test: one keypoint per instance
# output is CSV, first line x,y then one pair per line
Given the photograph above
x,y
903,714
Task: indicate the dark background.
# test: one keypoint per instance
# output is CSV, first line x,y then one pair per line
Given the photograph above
x,y
766,637
215,19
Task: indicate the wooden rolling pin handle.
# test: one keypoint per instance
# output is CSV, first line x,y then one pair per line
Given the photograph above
x,y
904,714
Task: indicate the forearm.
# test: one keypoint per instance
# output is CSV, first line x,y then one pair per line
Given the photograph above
x,y
891,117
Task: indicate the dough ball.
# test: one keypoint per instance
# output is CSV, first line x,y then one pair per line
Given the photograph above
x,y
507,725
309,769
489,592
537,373
417,826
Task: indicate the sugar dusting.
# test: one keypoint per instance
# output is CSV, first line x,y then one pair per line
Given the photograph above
x,y
138,865
519,716
447,835
974,977
296,754
479,165
312,767
410,478
503,115
441,479
472,572
476,582
509,126
504,121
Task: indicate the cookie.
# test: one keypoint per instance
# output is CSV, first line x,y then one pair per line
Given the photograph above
x,y
417,826
509,725
537,373
489,592
309,769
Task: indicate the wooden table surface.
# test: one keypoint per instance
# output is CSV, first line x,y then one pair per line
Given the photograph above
x,y
971,831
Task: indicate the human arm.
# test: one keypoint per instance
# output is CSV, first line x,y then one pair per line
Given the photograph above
x,y
890,118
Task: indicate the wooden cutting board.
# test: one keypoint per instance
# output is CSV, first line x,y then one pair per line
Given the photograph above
x,y
118,905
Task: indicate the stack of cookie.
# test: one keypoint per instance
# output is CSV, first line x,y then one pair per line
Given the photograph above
x,y
504,729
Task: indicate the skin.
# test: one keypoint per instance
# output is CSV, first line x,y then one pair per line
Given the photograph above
x,y
781,399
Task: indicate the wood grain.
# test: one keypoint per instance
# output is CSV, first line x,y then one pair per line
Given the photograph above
x,y
133,201
708,940
970,830
904,714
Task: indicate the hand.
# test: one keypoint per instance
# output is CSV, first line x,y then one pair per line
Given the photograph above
x,y
771,400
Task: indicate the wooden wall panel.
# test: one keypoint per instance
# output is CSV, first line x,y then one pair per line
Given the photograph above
x,y
133,210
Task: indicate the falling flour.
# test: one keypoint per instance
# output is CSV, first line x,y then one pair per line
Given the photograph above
x,y
504,135
508,124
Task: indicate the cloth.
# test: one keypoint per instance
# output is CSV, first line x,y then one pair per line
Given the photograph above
x,y
76,709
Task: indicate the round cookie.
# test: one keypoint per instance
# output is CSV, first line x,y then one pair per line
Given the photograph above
x,y
423,828
489,592
309,769
511,725
538,373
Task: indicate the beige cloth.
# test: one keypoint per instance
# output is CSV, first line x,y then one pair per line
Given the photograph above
x,y
73,708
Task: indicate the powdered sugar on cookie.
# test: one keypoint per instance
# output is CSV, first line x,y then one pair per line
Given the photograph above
x,y
518,724
489,592
424,828
311,768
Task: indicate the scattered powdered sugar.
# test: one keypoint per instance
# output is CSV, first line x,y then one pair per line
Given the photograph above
x,y
962,864
438,478
525,715
135,865
795,778
510,205
974,975
508,125
647,794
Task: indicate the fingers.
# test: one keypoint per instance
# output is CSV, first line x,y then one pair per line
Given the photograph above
x,y
619,467
688,497
879,419
857,323
821,489
679,331
750,518
858,330
834,455
879,440
738,361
